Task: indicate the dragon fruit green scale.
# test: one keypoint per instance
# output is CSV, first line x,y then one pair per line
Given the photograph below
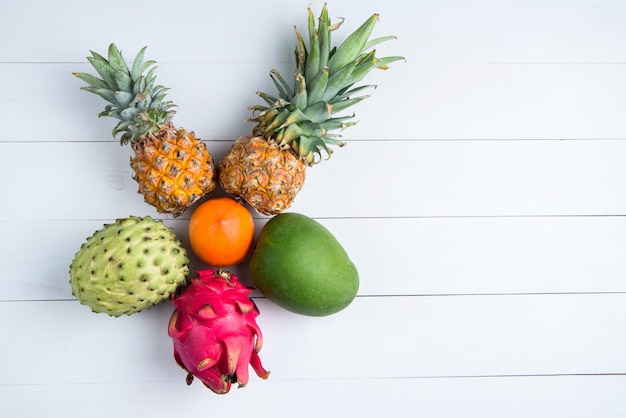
x,y
127,266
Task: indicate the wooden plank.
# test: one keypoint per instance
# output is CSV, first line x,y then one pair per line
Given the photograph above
x,y
376,337
413,179
536,396
413,101
420,256
450,30
467,178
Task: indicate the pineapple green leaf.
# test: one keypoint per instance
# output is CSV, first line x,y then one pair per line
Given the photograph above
x,y
324,38
130,113
346,103
104,69
124,125
112,113
313,58
383,62
300,65
294,118
301,50
123,81
167,109
365,64
116,60
352,47
111,108
311,25
136,101
330,140
278,121
281,85
126,137
300,98
159,91
338,123
139,66
156,102
318,112
257,108
91,80
123,98
150,78
373,42
140,85
315,146
269,113
346,92
317,86
337,80
288,135
106,94
98,57
143,101
269,99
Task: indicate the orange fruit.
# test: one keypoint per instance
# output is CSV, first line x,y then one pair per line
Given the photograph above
x,y
221,232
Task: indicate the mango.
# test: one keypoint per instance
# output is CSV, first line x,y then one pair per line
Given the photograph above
x,y
298,264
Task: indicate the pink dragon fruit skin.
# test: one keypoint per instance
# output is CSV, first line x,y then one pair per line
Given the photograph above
x,y
214,330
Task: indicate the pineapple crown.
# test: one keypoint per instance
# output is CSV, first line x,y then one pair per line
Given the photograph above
x,y
301,117
134,99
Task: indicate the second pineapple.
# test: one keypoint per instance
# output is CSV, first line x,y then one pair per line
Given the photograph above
x,y
295,128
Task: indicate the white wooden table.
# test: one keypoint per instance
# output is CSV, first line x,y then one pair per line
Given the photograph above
x,y
482,197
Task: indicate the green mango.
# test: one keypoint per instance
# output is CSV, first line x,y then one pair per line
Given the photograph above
x,y
298,264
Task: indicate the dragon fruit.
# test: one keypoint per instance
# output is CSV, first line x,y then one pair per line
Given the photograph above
x,y
214,331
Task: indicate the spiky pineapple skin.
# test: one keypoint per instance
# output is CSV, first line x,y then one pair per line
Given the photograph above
x,y
214,331
263,174
173,169
128,266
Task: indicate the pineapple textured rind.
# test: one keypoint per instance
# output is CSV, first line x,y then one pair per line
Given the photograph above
x,y
263,175
173,169
127,266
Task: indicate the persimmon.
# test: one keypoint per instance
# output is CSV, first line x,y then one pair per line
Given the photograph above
x,y
221,232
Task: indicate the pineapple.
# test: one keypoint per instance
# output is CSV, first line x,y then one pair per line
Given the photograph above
x,y
172,167
296,128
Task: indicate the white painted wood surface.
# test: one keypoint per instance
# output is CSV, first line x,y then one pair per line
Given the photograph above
x,y
481,197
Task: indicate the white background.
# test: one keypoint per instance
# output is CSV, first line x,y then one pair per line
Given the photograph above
x,y
481,196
